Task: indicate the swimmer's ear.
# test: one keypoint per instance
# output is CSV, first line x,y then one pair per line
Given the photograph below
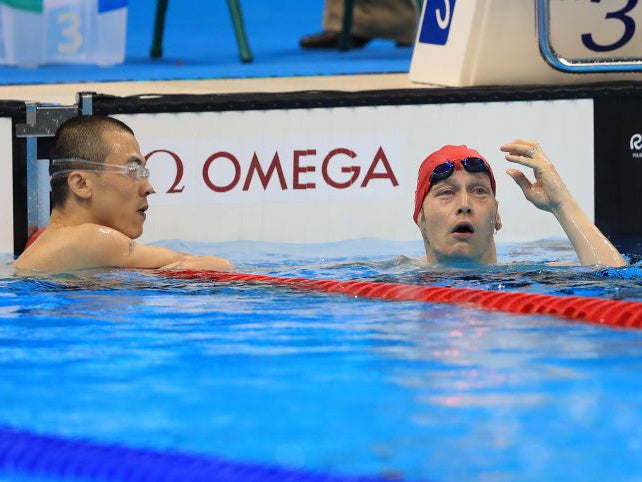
x,y
498,220
420,218
421,222
79,185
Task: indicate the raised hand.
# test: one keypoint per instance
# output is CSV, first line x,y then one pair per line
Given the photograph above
x,y
548,190
549,193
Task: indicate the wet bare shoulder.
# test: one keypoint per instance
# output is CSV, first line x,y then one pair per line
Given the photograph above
x,y
72,248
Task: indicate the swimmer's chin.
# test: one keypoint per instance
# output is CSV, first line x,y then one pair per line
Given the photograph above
x,y
458,263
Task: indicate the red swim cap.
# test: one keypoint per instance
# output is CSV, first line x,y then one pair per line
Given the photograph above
x,y
445,154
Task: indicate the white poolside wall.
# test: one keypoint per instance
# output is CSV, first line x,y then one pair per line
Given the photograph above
x,y
6,187
323,213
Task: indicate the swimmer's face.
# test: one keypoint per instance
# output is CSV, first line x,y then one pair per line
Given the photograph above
x,y
119,201
458,219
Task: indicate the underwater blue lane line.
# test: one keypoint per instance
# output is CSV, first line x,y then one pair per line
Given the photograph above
x,y
29,454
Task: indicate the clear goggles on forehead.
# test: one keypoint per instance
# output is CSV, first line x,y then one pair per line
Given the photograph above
x,y
132,169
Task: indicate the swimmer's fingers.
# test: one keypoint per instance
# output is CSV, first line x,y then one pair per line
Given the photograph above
x,y
533,192
201,263
525,152
521,180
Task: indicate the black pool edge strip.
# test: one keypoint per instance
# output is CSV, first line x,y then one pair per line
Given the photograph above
x,y
175,103
106,104
24,453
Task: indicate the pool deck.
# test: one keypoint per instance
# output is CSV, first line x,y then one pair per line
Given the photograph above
x,y
64,94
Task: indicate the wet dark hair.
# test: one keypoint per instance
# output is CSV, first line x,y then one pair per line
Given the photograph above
x,y
80,137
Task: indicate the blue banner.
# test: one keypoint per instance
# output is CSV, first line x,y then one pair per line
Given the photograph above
x,y
107,5
436,22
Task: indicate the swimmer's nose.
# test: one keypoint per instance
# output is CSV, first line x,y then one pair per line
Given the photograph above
x,y
464,203
148,188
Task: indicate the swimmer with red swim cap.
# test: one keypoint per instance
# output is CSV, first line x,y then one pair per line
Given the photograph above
x,y
457,213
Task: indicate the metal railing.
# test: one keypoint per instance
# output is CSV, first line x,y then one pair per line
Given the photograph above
x,y
579,65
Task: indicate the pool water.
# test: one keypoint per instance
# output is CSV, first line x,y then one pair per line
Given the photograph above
x,y
331,383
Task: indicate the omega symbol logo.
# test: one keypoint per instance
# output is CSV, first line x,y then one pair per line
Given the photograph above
x,y
636,142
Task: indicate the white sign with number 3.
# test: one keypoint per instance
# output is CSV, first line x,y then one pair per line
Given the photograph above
x,y
490,42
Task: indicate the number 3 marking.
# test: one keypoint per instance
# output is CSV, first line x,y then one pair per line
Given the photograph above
x,y
629,29
445,20
71,33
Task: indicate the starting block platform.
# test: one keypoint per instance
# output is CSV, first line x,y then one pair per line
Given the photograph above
x,y
504,42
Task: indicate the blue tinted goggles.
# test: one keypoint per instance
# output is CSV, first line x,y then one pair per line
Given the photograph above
x,y
446,169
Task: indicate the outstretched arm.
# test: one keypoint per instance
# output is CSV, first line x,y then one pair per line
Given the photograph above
x,y
120,251
549,193
88,246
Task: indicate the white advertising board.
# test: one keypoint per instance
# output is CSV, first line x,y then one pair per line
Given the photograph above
x,y
320,175
6,186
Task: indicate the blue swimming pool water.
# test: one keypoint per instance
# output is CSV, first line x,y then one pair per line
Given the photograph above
x,y
331,383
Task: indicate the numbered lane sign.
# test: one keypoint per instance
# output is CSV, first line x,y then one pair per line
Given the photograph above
x,y
38,32
68,26
487,42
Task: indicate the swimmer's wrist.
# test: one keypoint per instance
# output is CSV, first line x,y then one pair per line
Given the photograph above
x,y
567,206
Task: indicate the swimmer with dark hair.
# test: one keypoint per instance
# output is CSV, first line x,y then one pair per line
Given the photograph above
x,y
99,190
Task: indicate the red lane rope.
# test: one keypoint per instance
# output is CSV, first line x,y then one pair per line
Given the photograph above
x,y
580,308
